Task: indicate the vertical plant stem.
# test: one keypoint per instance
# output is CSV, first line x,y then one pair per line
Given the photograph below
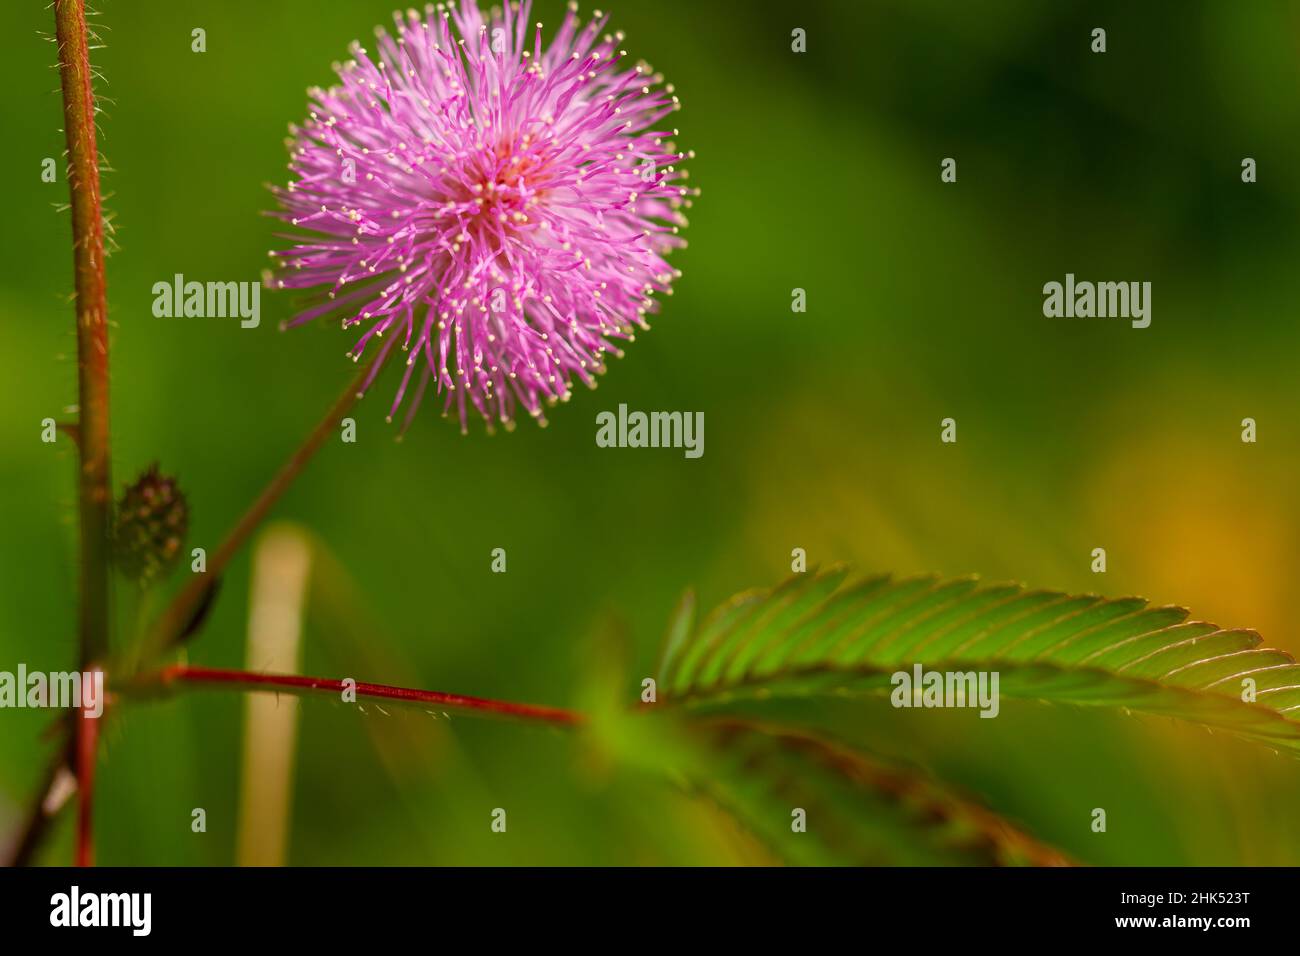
x,y
92,364
87,751
92,324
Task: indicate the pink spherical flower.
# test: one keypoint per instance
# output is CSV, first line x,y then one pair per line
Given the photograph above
x,y
499,209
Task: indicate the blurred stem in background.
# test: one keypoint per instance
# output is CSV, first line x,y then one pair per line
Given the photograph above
x,y
281,566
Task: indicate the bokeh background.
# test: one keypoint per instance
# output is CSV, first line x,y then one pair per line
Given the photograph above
x,y
818,171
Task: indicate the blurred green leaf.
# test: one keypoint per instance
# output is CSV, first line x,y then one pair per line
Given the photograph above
x,y
856,809
680,627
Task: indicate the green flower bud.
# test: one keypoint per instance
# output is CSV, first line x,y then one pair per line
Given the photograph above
x,y
149,530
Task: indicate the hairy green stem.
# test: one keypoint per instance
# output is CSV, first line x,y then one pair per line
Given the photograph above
x,y
92,324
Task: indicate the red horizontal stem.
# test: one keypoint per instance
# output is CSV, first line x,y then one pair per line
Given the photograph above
x,y
247,680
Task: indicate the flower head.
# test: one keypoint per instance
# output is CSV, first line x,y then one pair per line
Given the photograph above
x,y
498,209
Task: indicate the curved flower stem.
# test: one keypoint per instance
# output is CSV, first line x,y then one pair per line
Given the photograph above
x,y
172,675
171,625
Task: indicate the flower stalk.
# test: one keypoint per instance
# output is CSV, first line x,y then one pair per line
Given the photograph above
x,y
172,624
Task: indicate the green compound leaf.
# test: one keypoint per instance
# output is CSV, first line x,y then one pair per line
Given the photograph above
x,y
820,634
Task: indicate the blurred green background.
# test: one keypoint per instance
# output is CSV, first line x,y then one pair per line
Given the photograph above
x,y
818,171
